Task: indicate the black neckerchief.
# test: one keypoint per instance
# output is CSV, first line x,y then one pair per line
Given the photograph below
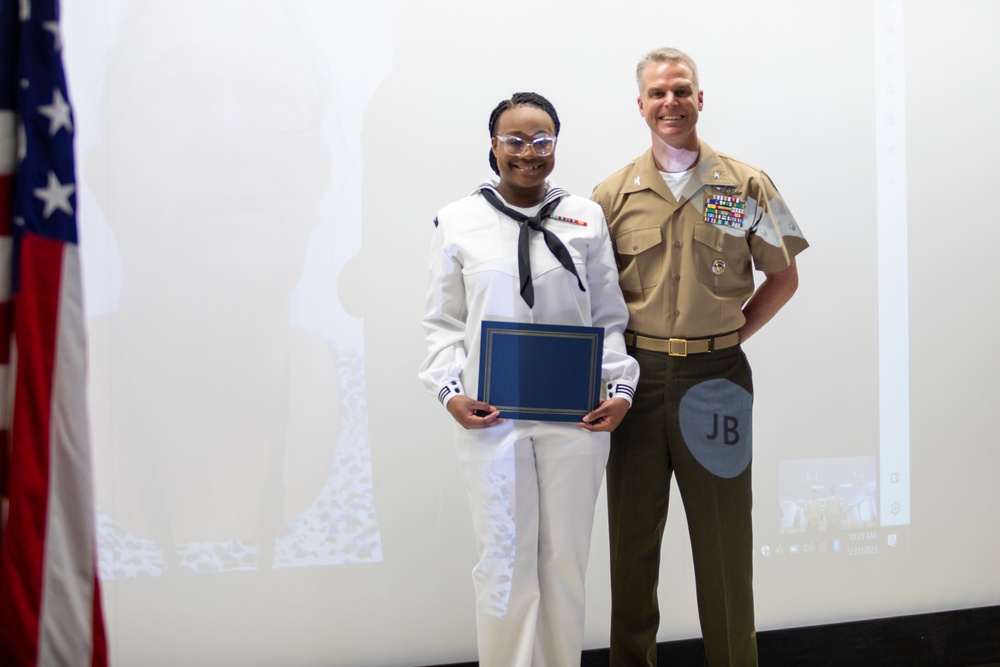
x,y
552,199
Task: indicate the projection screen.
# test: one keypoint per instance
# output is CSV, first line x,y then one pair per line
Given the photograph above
x,y
258,184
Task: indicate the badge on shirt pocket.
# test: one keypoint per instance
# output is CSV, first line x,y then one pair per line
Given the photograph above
x,y
722,260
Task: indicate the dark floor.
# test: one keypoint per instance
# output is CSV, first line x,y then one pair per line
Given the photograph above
x,y
963,638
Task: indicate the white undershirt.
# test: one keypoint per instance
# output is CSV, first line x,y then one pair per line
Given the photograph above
x,y
528,211
676,181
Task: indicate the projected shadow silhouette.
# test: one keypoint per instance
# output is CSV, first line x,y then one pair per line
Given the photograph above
x,y
233,438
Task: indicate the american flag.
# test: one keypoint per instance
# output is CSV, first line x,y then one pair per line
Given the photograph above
x,y
50,603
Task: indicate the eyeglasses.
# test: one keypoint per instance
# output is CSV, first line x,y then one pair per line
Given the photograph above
x,y
542,146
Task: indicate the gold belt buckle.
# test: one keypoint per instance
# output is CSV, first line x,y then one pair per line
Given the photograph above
x,y
681,349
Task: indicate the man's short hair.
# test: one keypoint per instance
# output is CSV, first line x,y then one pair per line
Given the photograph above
x,y
664,55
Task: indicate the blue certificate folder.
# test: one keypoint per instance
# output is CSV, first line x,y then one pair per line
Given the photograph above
x,y
540,371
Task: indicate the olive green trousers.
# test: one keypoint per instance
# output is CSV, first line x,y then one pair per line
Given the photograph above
x,y
692,418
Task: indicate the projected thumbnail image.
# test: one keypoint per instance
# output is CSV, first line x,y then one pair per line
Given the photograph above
x,y
821,495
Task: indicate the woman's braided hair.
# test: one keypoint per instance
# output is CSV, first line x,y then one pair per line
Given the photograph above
x,y
516,100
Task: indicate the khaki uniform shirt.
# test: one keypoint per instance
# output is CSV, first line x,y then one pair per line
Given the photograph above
x,y
685,266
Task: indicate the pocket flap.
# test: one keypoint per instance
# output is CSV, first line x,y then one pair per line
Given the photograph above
x,y
710,235
635,241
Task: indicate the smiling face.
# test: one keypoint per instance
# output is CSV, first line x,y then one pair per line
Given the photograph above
x,y
522,177
670,101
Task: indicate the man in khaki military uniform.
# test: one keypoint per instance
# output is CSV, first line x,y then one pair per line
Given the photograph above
x,y
687,222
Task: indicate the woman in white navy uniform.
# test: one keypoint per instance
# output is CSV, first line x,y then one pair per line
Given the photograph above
x,y
532,484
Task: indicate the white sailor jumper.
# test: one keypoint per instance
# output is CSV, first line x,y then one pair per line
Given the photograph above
x,y
532,485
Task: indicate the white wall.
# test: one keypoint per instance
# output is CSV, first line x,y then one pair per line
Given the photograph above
x,y
258,185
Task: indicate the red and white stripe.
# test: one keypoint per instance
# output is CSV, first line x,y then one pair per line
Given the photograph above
x,y
50,611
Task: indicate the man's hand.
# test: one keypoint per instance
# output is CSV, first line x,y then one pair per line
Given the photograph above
x,y
770,296
607,416
465,409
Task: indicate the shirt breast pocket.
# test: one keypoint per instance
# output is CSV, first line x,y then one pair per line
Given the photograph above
x,y
640,258
722,261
